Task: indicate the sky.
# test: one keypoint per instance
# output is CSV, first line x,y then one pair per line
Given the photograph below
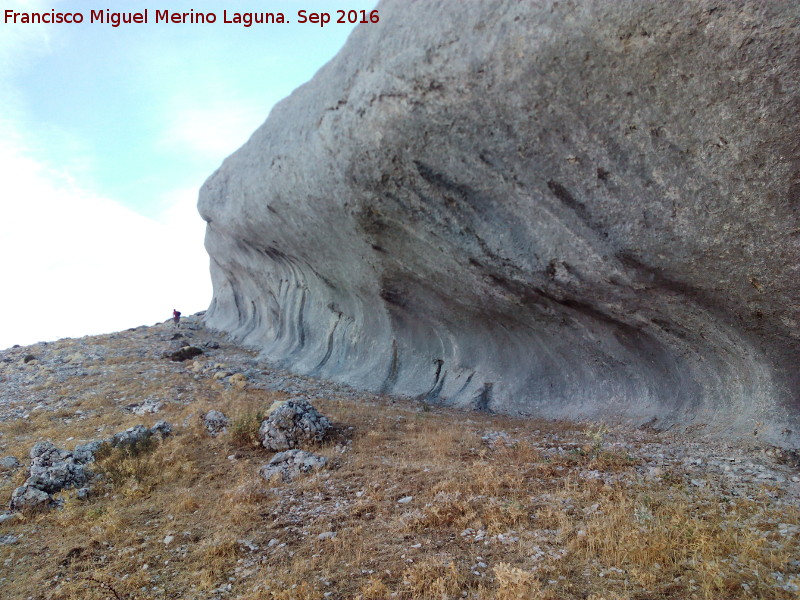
x,y
107,134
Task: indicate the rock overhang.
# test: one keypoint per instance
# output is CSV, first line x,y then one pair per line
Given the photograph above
x,y
565,212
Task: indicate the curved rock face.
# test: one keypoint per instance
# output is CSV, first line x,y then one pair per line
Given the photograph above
x,y
560,209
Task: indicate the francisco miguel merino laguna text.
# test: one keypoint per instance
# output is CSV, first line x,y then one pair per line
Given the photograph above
x,y
245,19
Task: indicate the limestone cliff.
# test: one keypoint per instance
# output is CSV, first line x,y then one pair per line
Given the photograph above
x,y
582,209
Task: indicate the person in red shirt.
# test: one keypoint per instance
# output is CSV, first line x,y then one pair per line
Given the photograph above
x,y
176,317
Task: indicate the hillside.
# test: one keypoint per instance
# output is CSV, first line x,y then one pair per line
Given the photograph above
x,y
416,501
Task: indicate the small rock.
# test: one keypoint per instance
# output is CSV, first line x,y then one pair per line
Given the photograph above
x,y
26,496
249,545
290,464
85,453
168,539
405,500
8,539
9,463
147,407
590,510
130,436
162,429
52,469
7,516
215,422
328,535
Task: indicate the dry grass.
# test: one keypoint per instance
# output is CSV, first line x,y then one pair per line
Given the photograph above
x,y
181,518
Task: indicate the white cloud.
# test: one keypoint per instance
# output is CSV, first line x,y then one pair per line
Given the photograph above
x,y
75,263
212,130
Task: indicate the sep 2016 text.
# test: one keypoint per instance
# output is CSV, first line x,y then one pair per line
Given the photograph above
x,y
164,16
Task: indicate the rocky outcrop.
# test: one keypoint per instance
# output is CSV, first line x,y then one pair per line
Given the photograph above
x,y
53,469
292,423
560,209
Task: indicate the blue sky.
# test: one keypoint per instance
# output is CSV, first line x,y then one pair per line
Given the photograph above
x,y
106,135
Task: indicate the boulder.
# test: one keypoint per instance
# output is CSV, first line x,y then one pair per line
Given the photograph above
x,y
215,422
185,353
51,471
560,209
161,429
140,433
288,465
27,497
292,423
9,463
85,453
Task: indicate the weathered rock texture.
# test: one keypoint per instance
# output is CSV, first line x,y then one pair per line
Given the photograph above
x,y
290,464
215,422
292,423
564,209
53,469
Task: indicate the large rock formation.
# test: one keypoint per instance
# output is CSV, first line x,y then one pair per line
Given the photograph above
x,y
562,209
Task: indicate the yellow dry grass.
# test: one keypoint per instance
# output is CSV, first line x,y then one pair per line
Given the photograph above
x,y
420,505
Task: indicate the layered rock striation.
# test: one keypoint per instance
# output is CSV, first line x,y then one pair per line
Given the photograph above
x,y
560,209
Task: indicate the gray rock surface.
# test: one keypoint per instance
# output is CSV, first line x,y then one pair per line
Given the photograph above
x,y
27,496
53,469
215,422
288,465
9,463
561,209
139,433
85,453
292,423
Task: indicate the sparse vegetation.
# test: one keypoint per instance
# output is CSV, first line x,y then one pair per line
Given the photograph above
x,y
414,504
244,428
130,464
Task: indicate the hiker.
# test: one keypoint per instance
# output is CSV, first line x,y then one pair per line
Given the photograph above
x,y
176,317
